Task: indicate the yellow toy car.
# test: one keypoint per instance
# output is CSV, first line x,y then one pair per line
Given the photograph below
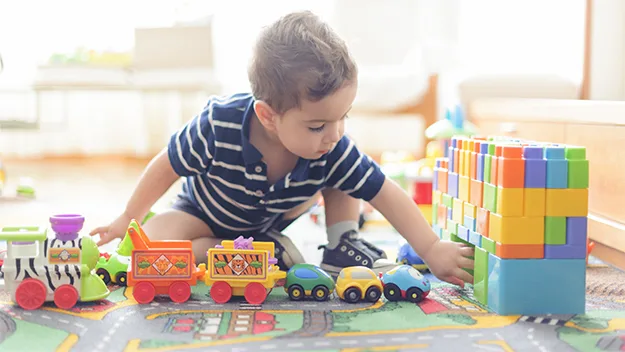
x,y
356,283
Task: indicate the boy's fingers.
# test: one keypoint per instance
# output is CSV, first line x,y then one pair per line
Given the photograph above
x,y
98,230
454,280
466,263
464,276
467,251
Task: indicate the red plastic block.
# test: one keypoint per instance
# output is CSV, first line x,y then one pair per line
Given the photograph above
x,y
476,193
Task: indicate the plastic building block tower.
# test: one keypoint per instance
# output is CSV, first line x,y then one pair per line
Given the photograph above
x,y
523,205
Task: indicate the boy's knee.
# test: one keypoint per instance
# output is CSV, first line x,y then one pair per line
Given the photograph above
x,y
302,208
201,246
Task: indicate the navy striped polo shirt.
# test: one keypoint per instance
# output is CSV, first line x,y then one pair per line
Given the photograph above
x,y
226,178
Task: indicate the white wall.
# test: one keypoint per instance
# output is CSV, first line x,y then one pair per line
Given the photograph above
x,y
608,51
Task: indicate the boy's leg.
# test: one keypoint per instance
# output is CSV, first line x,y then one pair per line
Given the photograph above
x,y
345,247
177,225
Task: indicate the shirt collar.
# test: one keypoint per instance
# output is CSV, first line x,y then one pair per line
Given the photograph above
x,y
251,155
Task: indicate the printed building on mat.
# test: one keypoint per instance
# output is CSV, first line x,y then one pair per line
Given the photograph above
x,y
524,207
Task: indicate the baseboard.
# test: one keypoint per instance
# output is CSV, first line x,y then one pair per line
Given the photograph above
x,y
70,158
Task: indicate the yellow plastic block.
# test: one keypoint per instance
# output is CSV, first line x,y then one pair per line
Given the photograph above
x,y
470,210
437,197
467,162
464,187
534,202
457,214
566,202
510,201
517,229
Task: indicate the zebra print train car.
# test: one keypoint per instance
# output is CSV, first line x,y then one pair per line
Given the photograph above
x,y
40,268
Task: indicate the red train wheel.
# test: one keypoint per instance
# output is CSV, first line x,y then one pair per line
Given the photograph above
x,y
221,292
179,291
255,293
144,292
30,294
65,296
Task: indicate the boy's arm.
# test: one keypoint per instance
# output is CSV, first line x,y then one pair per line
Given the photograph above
x,y
445,259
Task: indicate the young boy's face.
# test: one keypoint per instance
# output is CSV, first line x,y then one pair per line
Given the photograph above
x,y
314,129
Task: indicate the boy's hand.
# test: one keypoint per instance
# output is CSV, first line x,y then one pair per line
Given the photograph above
x,y
117,229
446,261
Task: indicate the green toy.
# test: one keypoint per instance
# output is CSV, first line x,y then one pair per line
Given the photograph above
x,y
308,280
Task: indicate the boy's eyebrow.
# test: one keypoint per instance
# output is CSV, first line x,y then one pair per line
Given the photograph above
x,y
325,120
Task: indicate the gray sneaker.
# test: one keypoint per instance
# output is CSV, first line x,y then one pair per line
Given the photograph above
x,y
285,251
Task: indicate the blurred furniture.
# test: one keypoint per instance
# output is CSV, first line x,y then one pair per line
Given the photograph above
x,y
597,125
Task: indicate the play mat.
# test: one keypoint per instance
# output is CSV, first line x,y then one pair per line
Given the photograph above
x,y
449,318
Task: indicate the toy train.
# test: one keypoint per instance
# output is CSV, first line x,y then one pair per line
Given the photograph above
x,y
66,268
40,268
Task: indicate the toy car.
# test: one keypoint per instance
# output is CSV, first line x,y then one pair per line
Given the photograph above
x,y
356,283
407,255
113,268
405,283
308,280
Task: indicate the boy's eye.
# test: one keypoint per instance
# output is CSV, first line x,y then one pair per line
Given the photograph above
x,y
316,129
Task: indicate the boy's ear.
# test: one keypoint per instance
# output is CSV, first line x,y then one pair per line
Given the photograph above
x,y
265,113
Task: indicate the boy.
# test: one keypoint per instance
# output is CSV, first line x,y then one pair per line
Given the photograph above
x,y
254,163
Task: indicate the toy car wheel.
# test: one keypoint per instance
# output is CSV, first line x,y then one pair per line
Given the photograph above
x,y
121,278
414,295
392,292
104,275
373,294
321,293
352,295
296,292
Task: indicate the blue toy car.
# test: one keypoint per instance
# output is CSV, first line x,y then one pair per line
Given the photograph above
x,y
405,283
407,255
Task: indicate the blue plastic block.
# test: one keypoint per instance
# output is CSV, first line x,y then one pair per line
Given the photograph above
x,y
557,168
481,160
565,251
535,167
470,222
452,184
463,233
450,213
437,230
475,238
536,286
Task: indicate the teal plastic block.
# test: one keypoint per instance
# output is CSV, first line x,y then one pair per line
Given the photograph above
x,y
480,278
557,167
470,222
536,286
463,233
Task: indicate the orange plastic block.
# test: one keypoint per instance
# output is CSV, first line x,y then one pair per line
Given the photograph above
x,y
511,167
520,251
494,165
464,188
442,216
482,225
442,180
457,157
476,193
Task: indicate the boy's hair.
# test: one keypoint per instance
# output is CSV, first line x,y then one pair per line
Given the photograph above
x,y
299,57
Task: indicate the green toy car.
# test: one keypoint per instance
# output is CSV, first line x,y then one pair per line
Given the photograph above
x,y
113,268
308,280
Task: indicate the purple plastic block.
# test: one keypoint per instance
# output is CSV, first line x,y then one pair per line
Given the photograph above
x,y
535,167
565,251
435,179
480,167
475,238
452,184
463,233
454,142
449,213
576,230
451,161
469,222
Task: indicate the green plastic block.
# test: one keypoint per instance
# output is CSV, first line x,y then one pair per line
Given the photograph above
x,y
448,200
489,245
480,276
492,147
555,230
488,160
575,153
434,213
445,235
578,173
455,238
452,227
490,197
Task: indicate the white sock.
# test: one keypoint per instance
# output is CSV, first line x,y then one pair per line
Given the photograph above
x,y
337,230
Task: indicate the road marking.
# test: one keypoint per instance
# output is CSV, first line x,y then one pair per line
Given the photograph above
x,y
399,339
79,325
348,342
296,344
450,336
148,308
425,337
155,304
27,313
322,343
268,347
64,321
194,304
46,317
309,305
286,305
375,341
475,335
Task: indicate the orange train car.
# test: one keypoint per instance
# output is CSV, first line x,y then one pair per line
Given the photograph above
x,y
161,268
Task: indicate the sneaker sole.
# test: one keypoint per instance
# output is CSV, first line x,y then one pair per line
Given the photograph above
x,y
290,255
335,270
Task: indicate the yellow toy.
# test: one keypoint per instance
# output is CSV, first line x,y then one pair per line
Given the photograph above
x,y
356,283
242,268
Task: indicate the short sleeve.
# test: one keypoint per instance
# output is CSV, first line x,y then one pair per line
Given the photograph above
x,y
352,171
191,148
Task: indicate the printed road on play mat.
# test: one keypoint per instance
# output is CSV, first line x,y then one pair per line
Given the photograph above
x,y
448,319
